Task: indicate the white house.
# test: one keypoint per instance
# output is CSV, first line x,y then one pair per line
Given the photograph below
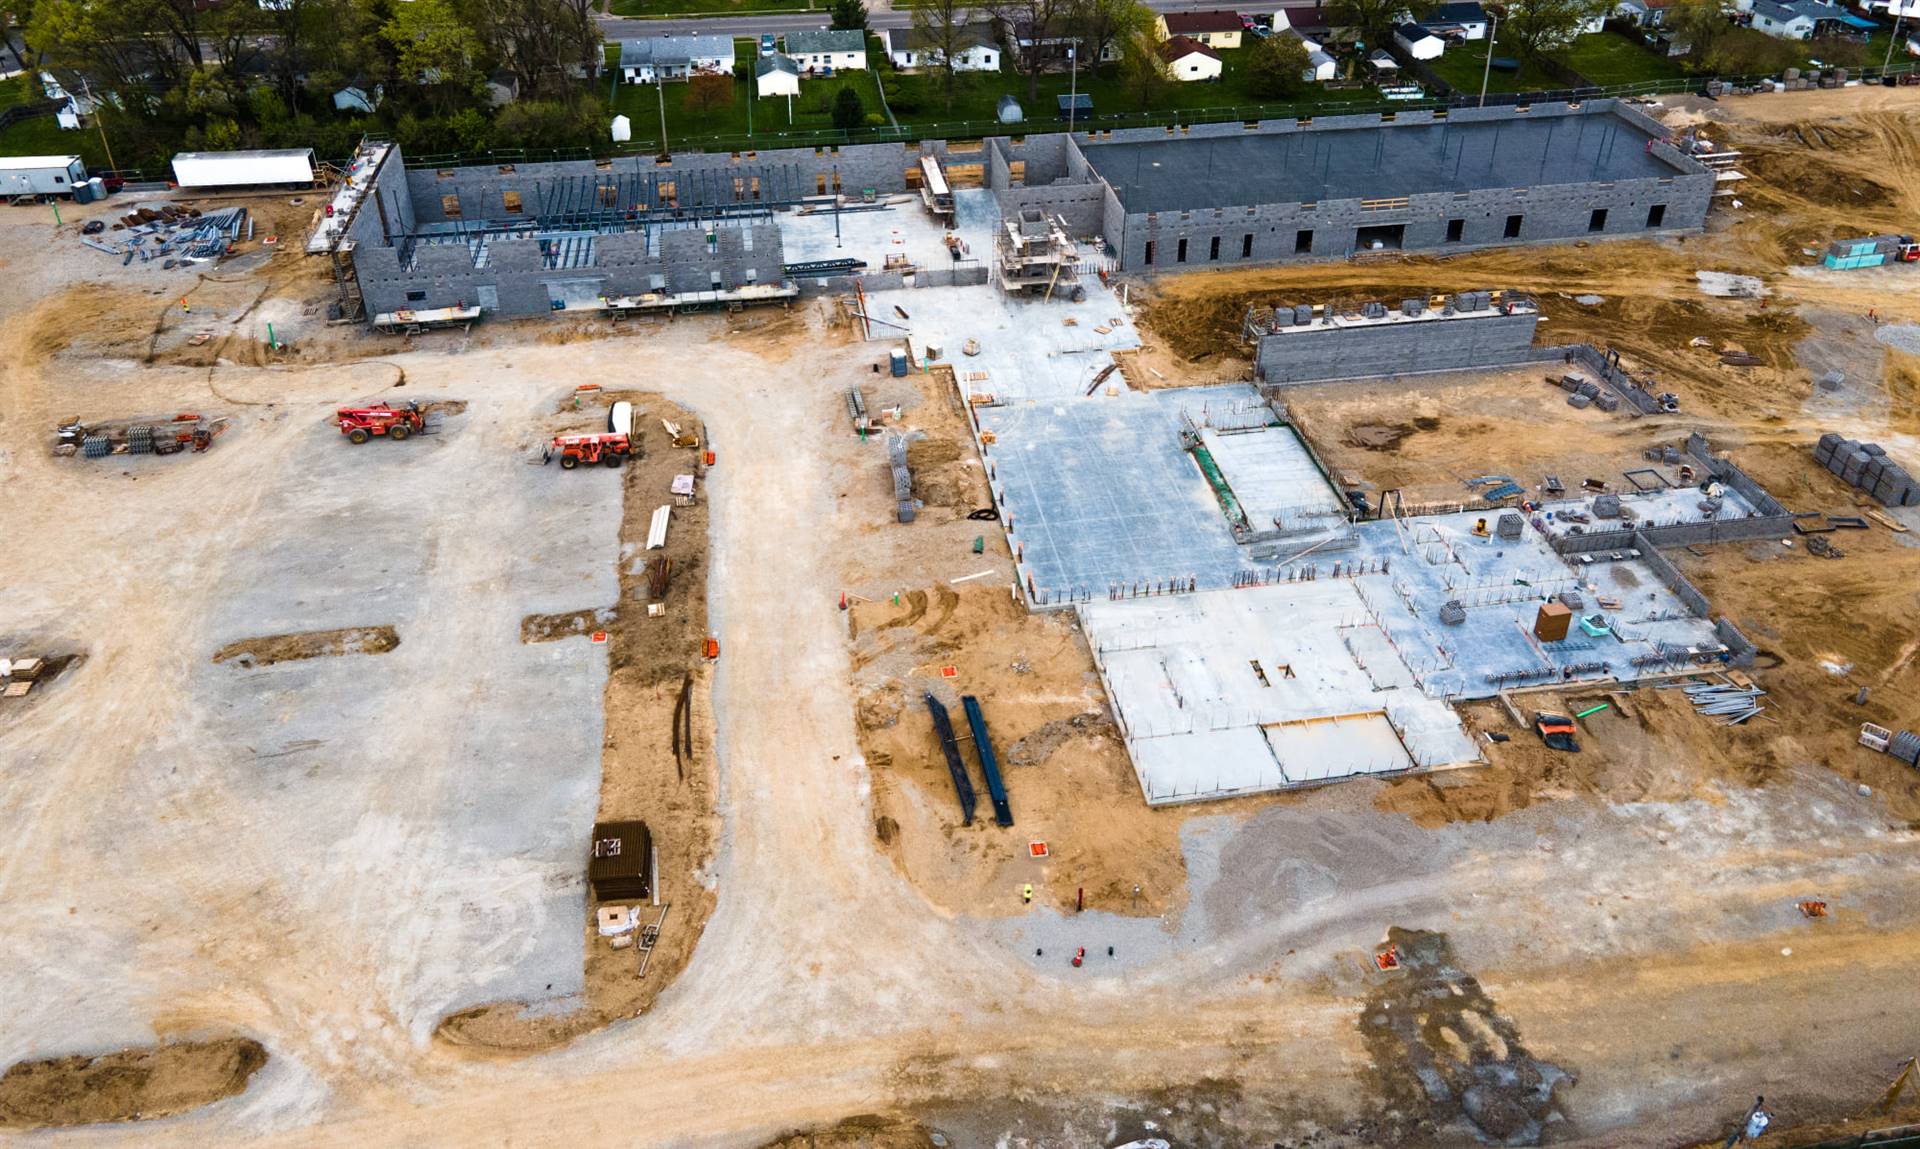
x,y
1793,20
1642,13
776,75
1308,42
828,49
1188,60
909,50
1465,15
1320,66
675,58
1417,42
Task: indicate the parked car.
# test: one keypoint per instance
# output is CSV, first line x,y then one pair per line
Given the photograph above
x,y
766,44
1246,23
1261,31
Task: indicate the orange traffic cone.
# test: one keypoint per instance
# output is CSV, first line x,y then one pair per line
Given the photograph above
x,y
843,600
1078,956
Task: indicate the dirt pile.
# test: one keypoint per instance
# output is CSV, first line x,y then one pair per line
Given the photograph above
x,y
567,624
269,649
1446,1060
867,1131
1067,773
131,1085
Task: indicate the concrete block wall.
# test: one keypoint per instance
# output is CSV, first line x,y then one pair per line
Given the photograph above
x,y
1741,650
388,212
1280,233
515,280
1727,472
1320,354
1671,578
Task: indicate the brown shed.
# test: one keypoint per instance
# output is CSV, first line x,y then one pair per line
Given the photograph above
x,y
1551,623
620,867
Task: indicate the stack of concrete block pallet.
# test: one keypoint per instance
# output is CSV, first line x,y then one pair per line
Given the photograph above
x,y
1867,467
902,478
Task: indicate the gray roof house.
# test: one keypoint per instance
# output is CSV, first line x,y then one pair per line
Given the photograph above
x,y
840,43
675,57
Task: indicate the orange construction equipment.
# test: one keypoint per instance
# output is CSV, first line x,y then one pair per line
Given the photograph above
x,y
359,424
573,450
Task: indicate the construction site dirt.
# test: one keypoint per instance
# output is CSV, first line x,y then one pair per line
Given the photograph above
x,y
374,864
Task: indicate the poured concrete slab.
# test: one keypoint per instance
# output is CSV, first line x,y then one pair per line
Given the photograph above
x,y
1240,691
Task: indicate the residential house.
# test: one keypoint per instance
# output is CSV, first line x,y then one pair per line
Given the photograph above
x,y
1308,42
828,49
909,50
503,88
1591,23
1642,13
357,99
675,58
1216,29
1320,67
776,75
1188,60
1794,19
1050,49
1464,18
1417,42
1382,64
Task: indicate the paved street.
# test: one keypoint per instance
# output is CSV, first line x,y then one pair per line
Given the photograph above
x,y
878,17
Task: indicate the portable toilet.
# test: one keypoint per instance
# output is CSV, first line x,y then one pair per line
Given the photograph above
x,y
897,361
1009,110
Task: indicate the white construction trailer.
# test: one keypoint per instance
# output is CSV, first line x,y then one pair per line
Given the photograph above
x,y
41,176
285,166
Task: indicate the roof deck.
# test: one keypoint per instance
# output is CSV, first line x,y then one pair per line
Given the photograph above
x,y
1384,162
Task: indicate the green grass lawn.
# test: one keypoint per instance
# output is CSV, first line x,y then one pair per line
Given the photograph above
x,y
769,119
1604,58
1463,65
919,97
1607,58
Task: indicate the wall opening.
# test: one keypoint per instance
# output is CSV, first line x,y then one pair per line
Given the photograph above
x,y
1598,220
1303,241
510,202
1386,237
416,297
1656,215
1213,248
1246,246
1180,253
1456,230
450,206
1513,226
1149,257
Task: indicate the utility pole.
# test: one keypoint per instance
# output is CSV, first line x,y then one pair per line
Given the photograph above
x,y
1486,73
660,87
1073,85
99,121
1899,14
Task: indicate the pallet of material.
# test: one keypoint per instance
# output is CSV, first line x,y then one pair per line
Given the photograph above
x,y
18,689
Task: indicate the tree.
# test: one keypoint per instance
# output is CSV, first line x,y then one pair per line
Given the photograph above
x,y
1532,28
940,27
1038,20
849,15
1277,67
540,41
1372,20
848,111
1097,25
1143,72
435,51
1700,25
708,94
